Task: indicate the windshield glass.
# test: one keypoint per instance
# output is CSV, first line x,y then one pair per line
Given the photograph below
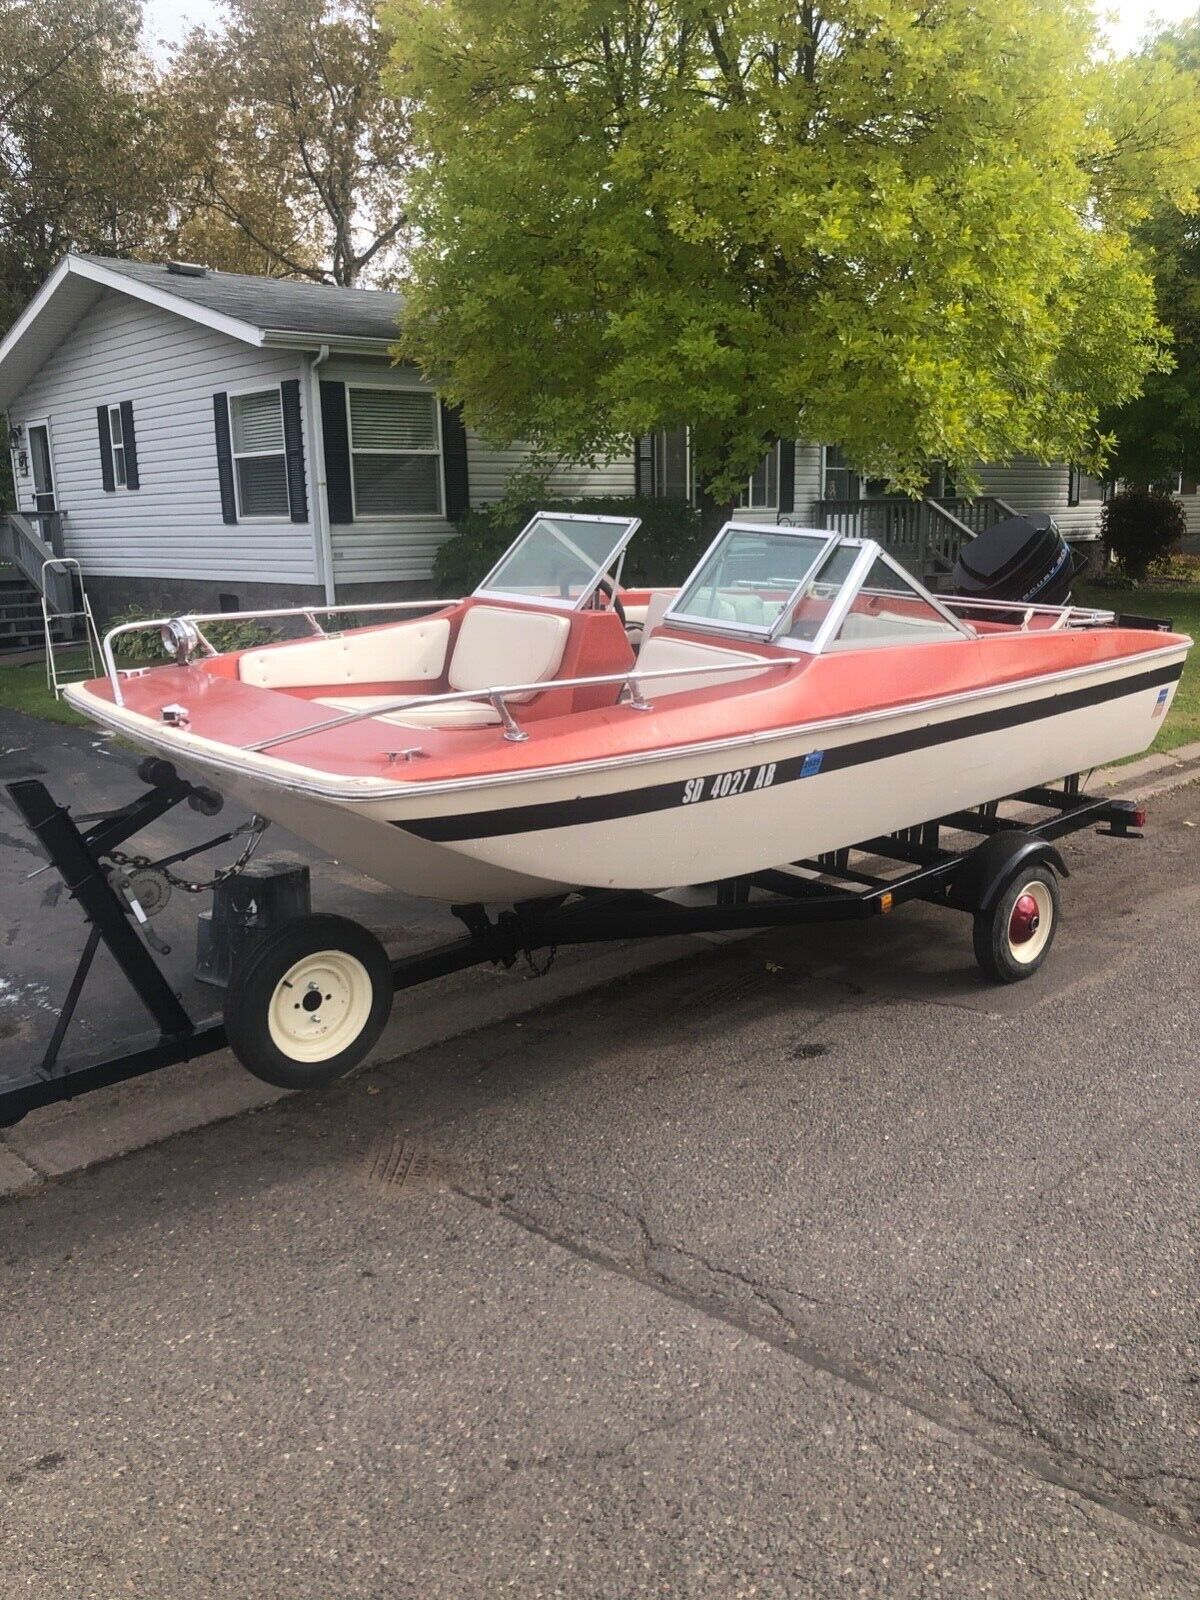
x,y
749,577
559,559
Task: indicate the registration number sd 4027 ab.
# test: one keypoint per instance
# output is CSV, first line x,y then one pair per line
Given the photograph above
x,y
723,784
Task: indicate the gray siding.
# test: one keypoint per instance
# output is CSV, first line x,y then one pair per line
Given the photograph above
x,y
171,527
1028,485
491,469
808,480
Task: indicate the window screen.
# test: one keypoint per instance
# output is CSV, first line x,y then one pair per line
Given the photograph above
x,y
395,454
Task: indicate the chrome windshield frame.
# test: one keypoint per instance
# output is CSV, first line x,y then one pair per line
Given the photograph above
x,y
869,551
612,562
749,630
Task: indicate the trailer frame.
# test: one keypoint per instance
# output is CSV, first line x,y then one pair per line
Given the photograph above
x,y
836,887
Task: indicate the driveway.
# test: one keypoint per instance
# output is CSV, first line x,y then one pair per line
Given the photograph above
x,y
807,1267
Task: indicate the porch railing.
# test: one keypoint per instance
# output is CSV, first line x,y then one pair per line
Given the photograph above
x,y
923,535
28,539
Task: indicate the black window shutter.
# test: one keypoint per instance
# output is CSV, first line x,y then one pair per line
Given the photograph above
x,y
132,481
293,448
106,461
224,457
787,476
337,451
454,463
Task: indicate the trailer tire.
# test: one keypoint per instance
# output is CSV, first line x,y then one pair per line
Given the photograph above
x,y
308,1002
1013,936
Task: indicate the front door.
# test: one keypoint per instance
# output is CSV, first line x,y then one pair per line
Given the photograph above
x,y
43,471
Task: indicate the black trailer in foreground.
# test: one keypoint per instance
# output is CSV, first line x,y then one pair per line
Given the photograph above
x,y
309,1000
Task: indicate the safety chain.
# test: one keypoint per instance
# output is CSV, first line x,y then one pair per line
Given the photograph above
x,y
256,827
539,970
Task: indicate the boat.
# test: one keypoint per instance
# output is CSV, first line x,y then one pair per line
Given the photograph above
x,y
799,693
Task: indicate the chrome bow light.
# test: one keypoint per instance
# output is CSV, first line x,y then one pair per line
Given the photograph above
x,y
180,639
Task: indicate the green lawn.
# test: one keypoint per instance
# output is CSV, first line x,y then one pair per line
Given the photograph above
x,y
24,688
1183,607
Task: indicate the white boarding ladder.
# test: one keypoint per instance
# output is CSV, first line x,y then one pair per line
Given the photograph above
x,y
69,570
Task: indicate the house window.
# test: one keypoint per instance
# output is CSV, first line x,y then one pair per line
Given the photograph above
x,y
395,452
839,480
1074,484
664,463
117,446
762,492
260,466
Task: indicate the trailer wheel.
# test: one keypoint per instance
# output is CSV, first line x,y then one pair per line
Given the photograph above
x,y
1013,937
308,1002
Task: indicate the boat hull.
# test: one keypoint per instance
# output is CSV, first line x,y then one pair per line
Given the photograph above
x,y
722,809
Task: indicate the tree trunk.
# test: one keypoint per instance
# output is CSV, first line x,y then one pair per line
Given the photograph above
x,y
713,515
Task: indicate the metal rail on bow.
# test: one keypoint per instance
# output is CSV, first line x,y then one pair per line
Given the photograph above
x,y
308,613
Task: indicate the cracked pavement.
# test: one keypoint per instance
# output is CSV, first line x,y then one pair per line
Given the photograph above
x,y
809,1266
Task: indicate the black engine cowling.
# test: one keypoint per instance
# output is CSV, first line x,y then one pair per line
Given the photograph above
x,y
1022,559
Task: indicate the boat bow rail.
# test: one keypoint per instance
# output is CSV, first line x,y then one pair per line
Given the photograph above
x,y
307,614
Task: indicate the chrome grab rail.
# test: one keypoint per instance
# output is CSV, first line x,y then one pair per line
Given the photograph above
x,y
1089,616
502,692
309,613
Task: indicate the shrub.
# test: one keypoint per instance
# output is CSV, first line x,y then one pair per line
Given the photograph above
x,y
662,551
1140,526
146,646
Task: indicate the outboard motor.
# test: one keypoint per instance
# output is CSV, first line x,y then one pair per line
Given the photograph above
x,y
1022,559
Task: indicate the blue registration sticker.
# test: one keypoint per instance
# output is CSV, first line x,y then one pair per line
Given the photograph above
x,y
812,763
1161,703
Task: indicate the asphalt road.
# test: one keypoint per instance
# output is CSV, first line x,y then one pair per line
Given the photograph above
x,y
808,1267
42,932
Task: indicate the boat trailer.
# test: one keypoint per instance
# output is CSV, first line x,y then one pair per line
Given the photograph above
x,y
1005,877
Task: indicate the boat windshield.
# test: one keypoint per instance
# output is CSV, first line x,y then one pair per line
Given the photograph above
x,y
749,576
560,559
810,589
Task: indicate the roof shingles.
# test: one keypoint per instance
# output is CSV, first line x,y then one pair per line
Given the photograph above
x,y
275,304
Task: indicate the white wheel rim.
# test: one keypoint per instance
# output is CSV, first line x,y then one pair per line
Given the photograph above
x,y
1027,950
320,1006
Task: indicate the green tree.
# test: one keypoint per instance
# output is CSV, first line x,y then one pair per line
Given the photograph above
x,y
81,149
902,228
1157,434
294,155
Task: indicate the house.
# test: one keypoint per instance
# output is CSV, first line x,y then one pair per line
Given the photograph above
x,y
209,440
212,440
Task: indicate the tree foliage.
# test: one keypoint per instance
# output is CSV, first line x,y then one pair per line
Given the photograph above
x,y
1157,434
293,156
81,147
904,229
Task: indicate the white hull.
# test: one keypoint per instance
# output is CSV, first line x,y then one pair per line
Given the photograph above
x,y
704,811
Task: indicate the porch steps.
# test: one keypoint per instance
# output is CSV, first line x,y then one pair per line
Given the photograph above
x,y
21,615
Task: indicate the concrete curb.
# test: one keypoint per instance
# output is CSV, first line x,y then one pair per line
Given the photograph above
x,y
113,1122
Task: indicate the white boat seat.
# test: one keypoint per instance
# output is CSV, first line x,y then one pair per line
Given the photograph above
x,y
496,645
409,652
453,714
660,653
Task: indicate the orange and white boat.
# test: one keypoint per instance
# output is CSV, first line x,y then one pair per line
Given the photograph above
x,y
798,694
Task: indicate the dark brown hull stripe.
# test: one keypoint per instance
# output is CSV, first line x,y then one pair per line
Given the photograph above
x,y
493,824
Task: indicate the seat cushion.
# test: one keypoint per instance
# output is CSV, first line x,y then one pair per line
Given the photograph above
x,y
496,645
408,652
453,714
661,653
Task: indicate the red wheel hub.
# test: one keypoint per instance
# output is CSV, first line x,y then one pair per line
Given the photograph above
x,y
1023,923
